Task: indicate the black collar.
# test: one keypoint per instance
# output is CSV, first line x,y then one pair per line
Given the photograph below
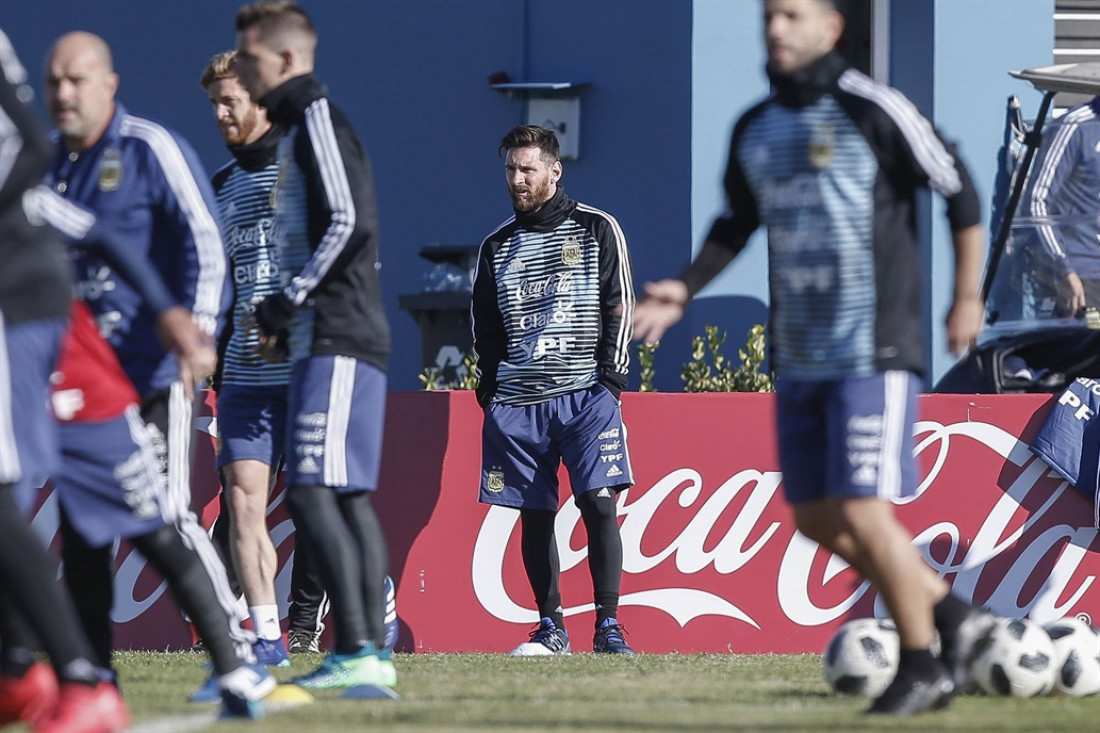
x,y
286,102
549,215
260,154
810,83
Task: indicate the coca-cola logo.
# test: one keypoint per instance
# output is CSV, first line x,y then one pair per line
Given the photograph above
x,y
963,552
554,284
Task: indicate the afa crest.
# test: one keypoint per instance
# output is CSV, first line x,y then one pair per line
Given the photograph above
x,y
110,170
495,482
571,251
822,146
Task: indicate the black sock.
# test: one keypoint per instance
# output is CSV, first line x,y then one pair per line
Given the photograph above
x,y
919,663
949,613
605,550
540,561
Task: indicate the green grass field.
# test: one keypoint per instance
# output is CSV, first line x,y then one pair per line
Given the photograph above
x,y
584,692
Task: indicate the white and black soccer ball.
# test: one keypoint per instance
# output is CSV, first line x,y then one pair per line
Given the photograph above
x,y
862,657
1076,657
1017,658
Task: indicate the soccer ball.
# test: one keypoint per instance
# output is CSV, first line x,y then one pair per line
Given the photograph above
x,y
1076,657
862,657
1017,658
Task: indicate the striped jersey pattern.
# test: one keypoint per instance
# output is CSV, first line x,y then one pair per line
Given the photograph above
x,y
248,226
812,174
548,291
816,180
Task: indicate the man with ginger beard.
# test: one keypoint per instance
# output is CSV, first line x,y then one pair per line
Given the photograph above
x,y
252,392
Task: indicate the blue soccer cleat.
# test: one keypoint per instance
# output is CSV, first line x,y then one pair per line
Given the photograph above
x,y
210,691
547,639
609,639
340,671
271,652
243,688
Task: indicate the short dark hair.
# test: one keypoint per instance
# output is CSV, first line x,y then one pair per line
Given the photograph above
x,y
840,6
532,136
275,15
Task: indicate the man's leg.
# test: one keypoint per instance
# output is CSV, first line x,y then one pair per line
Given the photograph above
x,y
317,516
89,579
251,431
28,589
194,592
254,554
336,408
539,548
519,469
309,603
111,486
824,523
27,580
594,449
223,540
869,461
362,520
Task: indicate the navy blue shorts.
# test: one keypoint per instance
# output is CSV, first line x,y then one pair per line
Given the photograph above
x,y
847,438
522,447
111,484
251,423
336,415
29,451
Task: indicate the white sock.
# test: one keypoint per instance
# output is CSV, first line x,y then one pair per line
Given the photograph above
x,y
265,621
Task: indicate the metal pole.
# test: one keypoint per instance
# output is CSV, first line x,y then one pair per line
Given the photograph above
x,y
1031,141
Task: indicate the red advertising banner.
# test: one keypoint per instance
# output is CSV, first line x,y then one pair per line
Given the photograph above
x,y
712,562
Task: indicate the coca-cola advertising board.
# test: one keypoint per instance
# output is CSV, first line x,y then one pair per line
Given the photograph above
x,y
711,559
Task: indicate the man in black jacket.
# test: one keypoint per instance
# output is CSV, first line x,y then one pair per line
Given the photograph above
x,y
830,164
552,308
251,391
329,320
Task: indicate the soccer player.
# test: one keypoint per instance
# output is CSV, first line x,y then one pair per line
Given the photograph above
x,y
252,392
141,181
830,163
552,306
34,303
328,319
110,483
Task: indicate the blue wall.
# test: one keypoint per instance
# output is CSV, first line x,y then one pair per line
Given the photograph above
x,y
413,76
